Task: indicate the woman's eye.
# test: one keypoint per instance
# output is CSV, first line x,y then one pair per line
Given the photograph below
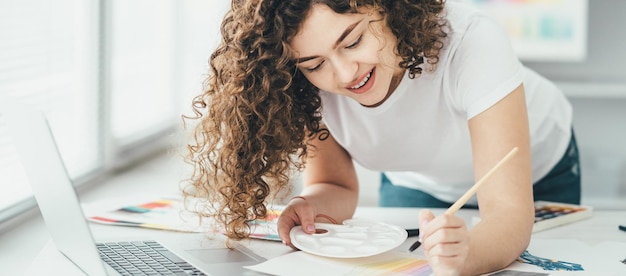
x,y
355,43
317,67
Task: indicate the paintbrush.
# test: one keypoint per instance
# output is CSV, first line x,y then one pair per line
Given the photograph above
x,y
465,197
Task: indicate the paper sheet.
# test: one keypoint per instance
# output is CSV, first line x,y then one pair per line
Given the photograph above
x,y
602,258
302,264
153,211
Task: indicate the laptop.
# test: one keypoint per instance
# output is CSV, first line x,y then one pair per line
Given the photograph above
x,y
70,231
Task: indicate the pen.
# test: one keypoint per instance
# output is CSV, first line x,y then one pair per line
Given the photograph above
x,y
621,227
465,197
415,245
413,232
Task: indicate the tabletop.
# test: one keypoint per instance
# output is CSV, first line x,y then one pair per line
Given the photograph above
x,y
596,243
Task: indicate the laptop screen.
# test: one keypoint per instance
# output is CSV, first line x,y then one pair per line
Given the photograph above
x,y
51,185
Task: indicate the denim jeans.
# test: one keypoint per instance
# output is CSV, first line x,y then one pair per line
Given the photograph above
x,y
561,184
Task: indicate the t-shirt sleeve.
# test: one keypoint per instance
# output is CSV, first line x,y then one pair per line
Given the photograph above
x,y
483,67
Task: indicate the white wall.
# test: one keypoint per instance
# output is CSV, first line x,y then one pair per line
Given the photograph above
x,y
369,182
600,126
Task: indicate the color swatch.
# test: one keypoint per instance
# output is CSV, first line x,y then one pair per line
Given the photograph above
x,y
401,266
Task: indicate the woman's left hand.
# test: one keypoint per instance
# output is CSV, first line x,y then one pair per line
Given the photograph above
x,y
445,241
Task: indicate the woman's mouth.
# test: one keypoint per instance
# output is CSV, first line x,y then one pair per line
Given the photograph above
x,y
363,81
364,84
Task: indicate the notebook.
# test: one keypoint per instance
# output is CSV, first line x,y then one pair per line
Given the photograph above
x,y
69,229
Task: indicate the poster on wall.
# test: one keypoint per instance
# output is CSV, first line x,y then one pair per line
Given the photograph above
x,y
542,30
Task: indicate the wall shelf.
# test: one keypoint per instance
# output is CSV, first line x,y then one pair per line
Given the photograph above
x,y
593,90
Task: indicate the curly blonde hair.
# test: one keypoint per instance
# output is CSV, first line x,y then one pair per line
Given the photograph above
x,y
258,113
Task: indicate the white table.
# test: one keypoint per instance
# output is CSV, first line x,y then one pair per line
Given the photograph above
x,y
596,242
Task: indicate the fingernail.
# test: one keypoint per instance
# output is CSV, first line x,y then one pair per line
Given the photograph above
x,y
423,224
310,228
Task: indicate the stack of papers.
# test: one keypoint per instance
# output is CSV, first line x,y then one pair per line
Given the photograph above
x,y
155,212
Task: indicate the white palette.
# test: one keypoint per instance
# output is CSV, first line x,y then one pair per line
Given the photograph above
x,y
352,239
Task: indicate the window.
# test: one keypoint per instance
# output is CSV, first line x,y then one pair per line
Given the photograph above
x,y
141,50
45,60
112,77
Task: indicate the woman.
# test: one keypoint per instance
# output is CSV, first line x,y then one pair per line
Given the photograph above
x,y
430,93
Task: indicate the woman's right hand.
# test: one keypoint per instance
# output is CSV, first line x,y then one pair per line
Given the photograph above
x,y
297,212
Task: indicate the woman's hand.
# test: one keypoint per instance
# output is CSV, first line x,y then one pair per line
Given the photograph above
x,y
297,212
445,241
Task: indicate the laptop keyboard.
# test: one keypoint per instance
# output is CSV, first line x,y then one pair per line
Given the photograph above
x,y
144,258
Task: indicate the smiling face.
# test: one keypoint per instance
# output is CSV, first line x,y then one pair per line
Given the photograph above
x,y
348,54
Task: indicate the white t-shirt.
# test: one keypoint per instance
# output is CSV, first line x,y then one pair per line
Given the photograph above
x,y
419,136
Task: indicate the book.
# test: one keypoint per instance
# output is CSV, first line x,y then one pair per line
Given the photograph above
x,y
552,214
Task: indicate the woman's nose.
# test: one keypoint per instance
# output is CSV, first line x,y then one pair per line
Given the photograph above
x,y
345,70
